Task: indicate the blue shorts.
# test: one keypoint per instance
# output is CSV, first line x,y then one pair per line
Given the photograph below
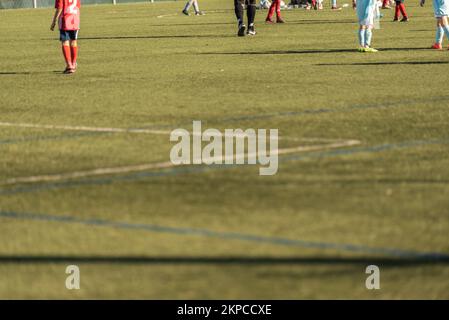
x,y
68,35
366,10
441,8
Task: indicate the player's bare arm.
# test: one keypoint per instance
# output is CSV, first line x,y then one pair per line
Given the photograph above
x,y
56,16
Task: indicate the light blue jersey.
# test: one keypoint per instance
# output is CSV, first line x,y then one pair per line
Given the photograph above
x,y
441,8
366,11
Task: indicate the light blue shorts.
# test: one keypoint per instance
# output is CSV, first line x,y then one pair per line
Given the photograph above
x,y
441,8
366,10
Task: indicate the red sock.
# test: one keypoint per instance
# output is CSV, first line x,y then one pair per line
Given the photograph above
x,y
67,55
402,8
74,51
278,8
271,10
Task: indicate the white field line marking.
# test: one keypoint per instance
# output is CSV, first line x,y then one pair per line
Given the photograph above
x,y
81,128
137,130
175,14
167,15
163,165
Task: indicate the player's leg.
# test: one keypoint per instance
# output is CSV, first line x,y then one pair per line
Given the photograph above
x,y
74,48
368,37
271,10
396,11
239,6
278,12
403,12
251,13
438,36
66,52
444,24
361,37
198,12
385,4
187,7
74,52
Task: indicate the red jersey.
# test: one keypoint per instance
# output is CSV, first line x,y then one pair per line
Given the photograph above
x,y
70,16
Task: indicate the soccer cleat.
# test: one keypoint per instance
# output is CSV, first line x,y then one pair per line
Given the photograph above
x,y
361,49
368,49
395,19
241,32
336,8
67,70
268,20
279,20
404,19
199,13
185,12
437,46
251,31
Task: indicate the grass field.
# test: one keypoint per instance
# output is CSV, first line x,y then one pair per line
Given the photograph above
x,y
210,232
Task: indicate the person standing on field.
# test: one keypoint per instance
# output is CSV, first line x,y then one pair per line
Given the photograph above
x,y
366,10
67,15
441,11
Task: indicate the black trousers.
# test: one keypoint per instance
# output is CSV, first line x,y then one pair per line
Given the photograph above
x,y
239,7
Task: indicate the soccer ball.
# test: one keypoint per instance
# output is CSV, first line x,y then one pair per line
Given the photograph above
x,y
264,4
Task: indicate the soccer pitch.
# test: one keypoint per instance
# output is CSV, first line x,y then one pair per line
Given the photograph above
x,y
77,187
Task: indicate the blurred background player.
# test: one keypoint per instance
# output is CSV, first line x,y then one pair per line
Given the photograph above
x,y
239,7
275,6
67,14
441,11
366,10
195,7
334,5
386,4
400,8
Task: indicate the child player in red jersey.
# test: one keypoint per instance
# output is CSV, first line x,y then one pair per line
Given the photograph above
x,y
68,16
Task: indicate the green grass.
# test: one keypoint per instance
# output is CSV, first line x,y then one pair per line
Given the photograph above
x,y
137,70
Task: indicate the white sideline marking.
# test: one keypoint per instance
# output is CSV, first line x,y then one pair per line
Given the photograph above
x,y
81,128
163,165
167,15
127,130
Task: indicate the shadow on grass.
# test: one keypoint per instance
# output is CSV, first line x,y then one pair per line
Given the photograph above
x,y
322,22
194,24
8,73
150,37
309,51
384,63
230,260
